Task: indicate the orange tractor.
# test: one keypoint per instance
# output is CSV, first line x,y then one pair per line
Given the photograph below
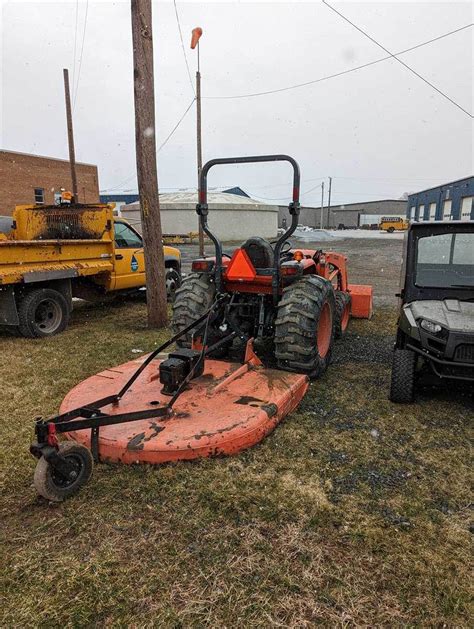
x,y
272,312
292,302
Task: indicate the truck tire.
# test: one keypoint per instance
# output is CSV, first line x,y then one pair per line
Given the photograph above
x,y
402,386
42,312
173,282
192,299
343,313
304,326
391,230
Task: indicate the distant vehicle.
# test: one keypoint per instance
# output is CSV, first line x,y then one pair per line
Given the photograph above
x,y
436,320
50,254
393,223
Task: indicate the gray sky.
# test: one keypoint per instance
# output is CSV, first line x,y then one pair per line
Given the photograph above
x,y
379,131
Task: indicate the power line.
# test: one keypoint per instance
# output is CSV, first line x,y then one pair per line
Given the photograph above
x,y
399,60
182,46
162,145
80,59
332,76
176,125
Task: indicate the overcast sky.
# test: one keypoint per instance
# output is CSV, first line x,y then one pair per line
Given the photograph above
x,y
379,131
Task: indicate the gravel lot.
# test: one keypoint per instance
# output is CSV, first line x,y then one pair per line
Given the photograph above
x,y
371,261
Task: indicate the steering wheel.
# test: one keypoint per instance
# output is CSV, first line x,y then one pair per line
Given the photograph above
x,y
285,248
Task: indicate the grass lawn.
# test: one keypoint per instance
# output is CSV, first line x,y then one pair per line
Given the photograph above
x,y
355,511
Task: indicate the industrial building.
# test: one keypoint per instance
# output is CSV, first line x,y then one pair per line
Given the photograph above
x,y
29,179
350,215
450,201
231,216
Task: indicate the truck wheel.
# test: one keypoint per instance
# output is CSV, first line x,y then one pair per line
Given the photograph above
x,y
343,313
304,326
51,485
391,230
402,386
173,282
42,312
191,301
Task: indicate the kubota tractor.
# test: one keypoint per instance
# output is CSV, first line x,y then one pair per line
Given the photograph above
x,y
292,302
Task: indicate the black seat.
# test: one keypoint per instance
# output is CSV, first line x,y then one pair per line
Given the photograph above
x,y
260,252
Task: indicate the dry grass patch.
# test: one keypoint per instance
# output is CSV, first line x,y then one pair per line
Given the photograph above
x,y
353,512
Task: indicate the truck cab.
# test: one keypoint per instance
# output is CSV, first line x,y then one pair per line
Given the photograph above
x,y
51,254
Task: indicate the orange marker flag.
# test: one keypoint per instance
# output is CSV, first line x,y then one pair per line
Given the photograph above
x,y
196,34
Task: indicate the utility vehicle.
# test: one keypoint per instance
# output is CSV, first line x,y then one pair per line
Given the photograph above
x,y
436,319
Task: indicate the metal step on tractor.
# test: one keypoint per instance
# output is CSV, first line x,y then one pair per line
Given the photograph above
x,y
292,302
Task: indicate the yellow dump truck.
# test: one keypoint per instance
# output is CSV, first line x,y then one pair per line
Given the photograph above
x,y
50,254
393,223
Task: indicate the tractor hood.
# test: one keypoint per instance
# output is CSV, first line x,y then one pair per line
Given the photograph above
x,y
451,314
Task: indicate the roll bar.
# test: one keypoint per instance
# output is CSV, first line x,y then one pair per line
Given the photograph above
x,y
294,208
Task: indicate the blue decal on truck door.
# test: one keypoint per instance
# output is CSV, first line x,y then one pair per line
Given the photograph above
x,y
134,264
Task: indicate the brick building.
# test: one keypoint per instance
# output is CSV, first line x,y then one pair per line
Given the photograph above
x,y
26,179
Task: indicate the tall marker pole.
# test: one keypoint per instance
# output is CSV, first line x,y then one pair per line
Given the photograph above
x,y
322,203
196,35
70,136
145,134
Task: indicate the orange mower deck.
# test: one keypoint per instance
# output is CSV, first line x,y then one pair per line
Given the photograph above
x,y
229,408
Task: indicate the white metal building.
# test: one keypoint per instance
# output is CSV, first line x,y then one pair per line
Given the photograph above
x,y
231,217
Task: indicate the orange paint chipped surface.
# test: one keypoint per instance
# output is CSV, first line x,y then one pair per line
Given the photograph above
x,y
229,408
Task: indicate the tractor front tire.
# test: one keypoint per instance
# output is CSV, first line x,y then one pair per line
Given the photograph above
x,y
402,386
305,325
343,313
192,300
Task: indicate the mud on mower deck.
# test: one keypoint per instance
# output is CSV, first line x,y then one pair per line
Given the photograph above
x,y
228,408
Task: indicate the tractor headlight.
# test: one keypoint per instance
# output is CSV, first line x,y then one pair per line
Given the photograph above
x,y
429,326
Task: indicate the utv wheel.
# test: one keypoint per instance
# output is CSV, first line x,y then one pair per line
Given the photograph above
x,y
51,485
343,313
191,301
173,282
304,326
402,387
42,312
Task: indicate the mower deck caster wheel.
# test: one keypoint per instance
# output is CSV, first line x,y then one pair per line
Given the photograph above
x,y
52,485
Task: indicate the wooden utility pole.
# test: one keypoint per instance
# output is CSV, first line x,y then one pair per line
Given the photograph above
x,y
329,197
145,134
70,136
322,203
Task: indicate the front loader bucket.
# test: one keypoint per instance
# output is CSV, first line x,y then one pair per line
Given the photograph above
x,y
361,301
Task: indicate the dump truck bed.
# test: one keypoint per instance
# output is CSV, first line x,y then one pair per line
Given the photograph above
x,y
48,243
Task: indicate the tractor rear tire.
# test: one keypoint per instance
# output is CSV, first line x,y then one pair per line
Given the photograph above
x,y
343,313
402,386
192,299
304,326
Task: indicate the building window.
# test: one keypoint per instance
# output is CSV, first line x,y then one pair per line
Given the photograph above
x,y
466,208
432,211
447,210
421,213
412,212
39,196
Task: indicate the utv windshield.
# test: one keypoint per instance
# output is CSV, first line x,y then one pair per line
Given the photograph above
x,y
445,261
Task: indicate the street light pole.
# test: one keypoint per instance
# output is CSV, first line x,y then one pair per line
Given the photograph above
x,y
196,34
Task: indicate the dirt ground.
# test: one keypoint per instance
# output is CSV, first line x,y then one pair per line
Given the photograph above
x,y
371,261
